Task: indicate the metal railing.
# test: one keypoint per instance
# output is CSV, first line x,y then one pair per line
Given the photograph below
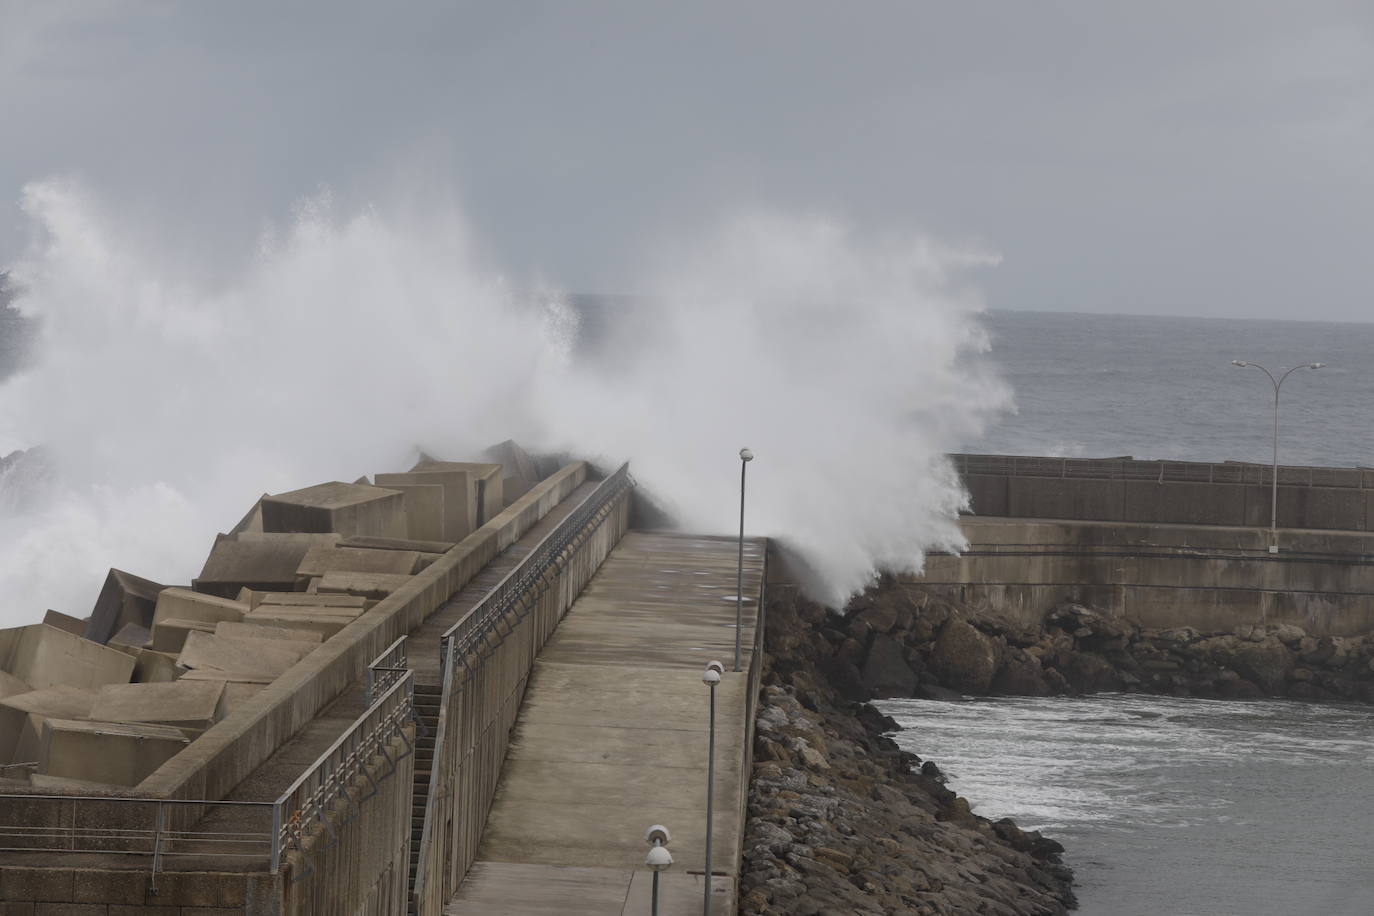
x,y
479,627
305,805
386,669
113,825
1161,471
484,671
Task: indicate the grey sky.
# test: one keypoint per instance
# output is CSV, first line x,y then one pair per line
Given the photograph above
x,y
1178,158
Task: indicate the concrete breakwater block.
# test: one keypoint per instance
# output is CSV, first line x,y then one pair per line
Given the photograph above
x,y
366,585
185,604
258,561
131,636
22,716
459,498
424,508
325,621
262,631
181,704
153,667
236,655
44,656
301,599
170,635
321,560
343,508
114,753
124,598
73,625
486,485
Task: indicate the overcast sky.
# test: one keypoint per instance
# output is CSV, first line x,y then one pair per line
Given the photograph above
x,y
1200,158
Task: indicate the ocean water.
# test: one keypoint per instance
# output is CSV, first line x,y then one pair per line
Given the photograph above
x,y
1173,806
1164,388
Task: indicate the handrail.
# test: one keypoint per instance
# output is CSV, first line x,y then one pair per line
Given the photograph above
x,y
480,622
509,602
1161,471
386,669
328,779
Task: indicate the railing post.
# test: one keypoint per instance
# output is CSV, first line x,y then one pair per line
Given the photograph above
x,y
157,849
276,837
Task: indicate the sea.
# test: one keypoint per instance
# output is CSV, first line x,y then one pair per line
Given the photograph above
x,y
1177,806
1166,806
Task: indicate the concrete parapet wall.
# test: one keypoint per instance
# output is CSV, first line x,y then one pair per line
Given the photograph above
x,y
222,757
89,892
1343,507
1159,576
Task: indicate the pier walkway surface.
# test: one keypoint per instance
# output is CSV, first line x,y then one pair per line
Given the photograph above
x,y
612,737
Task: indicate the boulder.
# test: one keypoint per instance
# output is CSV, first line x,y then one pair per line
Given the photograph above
x,y
963,658
1020,675
1088,672
1265,664
885,671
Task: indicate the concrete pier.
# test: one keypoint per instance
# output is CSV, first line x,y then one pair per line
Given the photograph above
x,y
612,737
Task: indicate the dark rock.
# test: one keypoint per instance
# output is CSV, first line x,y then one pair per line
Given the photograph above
x,y
963,658
1264,664
885,671
1088,672
1020,675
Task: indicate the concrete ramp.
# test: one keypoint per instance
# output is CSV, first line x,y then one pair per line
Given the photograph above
x,y
612,737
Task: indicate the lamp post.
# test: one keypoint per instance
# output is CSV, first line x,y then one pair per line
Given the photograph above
x,y
745,456
658,859
1274,483
710,677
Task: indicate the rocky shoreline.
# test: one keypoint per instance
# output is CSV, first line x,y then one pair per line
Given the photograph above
x,y
899,641
841,821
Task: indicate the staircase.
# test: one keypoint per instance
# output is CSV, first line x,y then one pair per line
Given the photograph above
x,y
427,700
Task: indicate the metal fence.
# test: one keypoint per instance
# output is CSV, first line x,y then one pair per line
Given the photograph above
x,y
487,657
386,669
152,828
306,805
1161,471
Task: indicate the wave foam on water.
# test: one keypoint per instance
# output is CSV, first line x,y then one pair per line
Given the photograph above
x,y
168,402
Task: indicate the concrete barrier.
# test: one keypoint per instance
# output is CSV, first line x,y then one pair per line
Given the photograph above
x,y
1047,497
222,757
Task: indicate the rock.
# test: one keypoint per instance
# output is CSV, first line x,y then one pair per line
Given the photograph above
x,y
1088,672
880,618
1288,634
1264,664
963,658
1020,675
885,671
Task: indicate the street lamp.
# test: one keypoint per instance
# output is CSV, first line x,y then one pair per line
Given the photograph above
x,y
745,456
658,859
710,677
1274,495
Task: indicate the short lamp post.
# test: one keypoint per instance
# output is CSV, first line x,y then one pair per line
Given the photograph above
x,y
1274,483
658,859
745,456
711,678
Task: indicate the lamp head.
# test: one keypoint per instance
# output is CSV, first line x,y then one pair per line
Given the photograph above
x,y
710,677
658,859
657,835
1239,362
746,455
1316,365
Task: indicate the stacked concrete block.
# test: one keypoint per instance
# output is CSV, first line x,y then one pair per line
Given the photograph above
x,y
44,656
424,508
154,667
262,631
22,716
261,561
321,560
191,706
74,625
460,504
125,598
170,635
366,585
240,659
341,508
486,486
112,753
132,636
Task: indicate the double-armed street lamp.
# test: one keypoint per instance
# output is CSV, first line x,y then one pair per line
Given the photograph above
x,y
1274,497
658,859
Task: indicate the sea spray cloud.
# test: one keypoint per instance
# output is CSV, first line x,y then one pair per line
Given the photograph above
x,y
848,364
350,340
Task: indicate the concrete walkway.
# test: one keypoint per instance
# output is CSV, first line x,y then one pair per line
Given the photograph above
x,y
612,737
